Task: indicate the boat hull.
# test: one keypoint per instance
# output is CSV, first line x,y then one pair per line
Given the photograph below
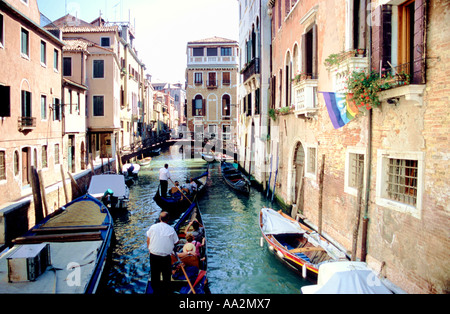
x,y
79,234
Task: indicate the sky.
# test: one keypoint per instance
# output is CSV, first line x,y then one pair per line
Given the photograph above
x,y
163,27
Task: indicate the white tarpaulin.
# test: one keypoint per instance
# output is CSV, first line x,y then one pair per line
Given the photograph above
x,y
101,183
346,278
274,223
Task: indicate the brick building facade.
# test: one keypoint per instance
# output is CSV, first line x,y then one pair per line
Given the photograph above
x,y
401,145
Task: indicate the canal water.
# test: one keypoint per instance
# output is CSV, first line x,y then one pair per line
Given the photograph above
x,y
237,264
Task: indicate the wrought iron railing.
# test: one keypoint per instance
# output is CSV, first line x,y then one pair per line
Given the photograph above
x,y
26,123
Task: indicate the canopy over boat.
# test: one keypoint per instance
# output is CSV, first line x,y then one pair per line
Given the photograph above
x,y
275,223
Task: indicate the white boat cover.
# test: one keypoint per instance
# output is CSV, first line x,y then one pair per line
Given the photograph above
x,y
101,183
274,223
136,167
73,265
346,278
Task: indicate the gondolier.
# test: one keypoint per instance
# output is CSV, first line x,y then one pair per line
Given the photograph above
x,y
164,176
161,239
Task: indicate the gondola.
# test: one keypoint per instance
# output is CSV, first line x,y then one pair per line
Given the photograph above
x,y
297,245
178,204
194,266
235,178
65,253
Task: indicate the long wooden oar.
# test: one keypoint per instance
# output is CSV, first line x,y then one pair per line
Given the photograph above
x,y
181,191
185,274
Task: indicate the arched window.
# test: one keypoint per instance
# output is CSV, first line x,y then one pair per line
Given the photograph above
x,y
226,106
198,106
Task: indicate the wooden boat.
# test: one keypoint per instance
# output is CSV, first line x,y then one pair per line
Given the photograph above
x,y
195,266
145,161
131,170
111,189
235,178
295,244
72,245
177,204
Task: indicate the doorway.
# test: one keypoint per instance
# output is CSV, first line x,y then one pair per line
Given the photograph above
x,y
26,162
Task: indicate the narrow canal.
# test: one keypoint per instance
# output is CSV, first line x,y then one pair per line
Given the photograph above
x,y
237,264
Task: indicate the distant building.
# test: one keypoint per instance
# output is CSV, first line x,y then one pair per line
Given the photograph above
x,y
212,86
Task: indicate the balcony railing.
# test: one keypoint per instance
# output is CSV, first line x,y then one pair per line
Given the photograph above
x,y
251,68
211,84
403,73
26,123
305,96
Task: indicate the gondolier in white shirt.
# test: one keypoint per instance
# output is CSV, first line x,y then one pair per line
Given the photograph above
x,y
164,176
161,239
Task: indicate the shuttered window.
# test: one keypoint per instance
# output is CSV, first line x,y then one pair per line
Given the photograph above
x,y
411,24
25,43
98,106
26,104
198,106
99,69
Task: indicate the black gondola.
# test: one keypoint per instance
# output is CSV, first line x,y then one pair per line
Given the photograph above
x,y
179,203
194,266
235,178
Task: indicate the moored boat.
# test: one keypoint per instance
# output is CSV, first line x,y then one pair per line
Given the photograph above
x,y
145,161
347,278
235,178
297,245
65,253
111,189
131,170
194,266
178,203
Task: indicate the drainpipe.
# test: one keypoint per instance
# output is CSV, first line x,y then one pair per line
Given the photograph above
x,y
368,164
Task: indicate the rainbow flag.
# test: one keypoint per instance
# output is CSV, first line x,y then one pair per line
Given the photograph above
x,y
340,109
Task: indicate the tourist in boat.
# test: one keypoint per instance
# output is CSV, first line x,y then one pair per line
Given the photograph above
x,y
197,245
161,240
175,191
193,185
164,176
187,187
199,231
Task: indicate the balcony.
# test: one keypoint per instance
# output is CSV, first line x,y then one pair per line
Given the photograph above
x,y
212,60
26,123
211,84
404,82
251,69
305,96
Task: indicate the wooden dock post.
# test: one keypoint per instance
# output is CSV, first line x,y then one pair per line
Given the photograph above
x,y
38,212
64,184
43,196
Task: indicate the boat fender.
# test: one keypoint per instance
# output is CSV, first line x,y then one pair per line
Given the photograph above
x,y
280,254
271,248
261,242
304,270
